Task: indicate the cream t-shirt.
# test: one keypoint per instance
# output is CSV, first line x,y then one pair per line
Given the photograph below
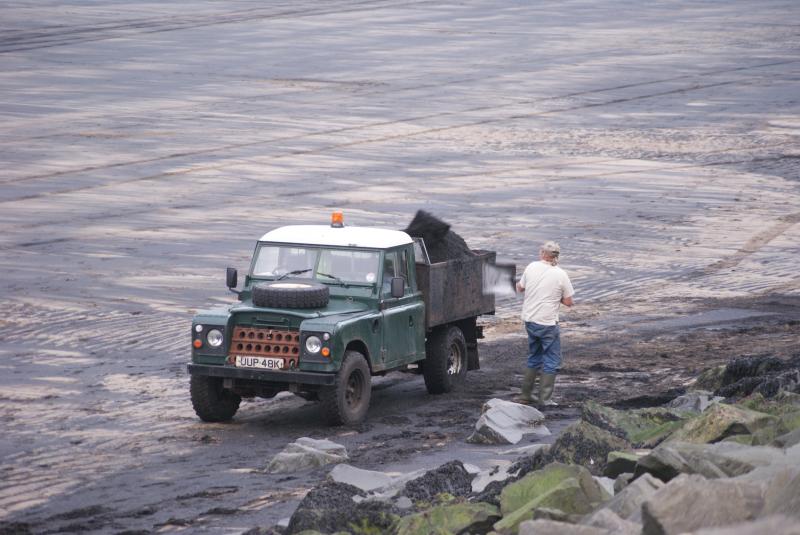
x,y
545,285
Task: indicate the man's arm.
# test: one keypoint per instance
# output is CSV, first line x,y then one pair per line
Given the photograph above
x,y
520,288
567,301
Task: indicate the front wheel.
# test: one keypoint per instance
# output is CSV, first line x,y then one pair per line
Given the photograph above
x,y
445,360
211,401
347,401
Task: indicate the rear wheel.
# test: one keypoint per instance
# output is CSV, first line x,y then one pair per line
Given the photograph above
x,y
347,401
211,401
445,361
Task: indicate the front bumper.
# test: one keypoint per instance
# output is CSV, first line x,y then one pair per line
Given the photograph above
x,y
263,376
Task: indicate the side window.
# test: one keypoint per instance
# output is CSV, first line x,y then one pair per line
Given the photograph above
x,y
403,268
390,268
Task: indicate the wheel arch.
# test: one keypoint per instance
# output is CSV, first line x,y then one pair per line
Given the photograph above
x,y
360,346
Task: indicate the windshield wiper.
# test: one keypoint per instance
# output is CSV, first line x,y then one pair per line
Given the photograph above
x,y
334,277
295,272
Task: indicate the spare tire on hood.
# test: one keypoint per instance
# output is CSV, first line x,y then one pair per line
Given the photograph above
x,y
290,294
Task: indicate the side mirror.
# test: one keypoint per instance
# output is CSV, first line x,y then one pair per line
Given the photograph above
x,y
232,278
398,287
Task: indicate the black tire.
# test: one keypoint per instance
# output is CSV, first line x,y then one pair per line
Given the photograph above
x,y
211,401
445,361
291,294
347,401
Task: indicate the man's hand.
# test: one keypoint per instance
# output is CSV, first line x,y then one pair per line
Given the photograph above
x,y
567,301
520,288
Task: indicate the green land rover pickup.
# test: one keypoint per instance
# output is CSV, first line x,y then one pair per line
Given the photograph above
x,y
325,308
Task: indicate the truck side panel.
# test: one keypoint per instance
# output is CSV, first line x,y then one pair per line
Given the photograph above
x,y
453,290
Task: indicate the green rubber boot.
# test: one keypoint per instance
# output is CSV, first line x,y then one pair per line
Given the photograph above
x,y
529,384
546,385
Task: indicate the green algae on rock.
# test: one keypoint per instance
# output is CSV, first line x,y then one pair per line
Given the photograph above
x,y
450,519
721,421
643,428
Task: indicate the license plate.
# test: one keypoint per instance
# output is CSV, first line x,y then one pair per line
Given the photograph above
x,y
243,361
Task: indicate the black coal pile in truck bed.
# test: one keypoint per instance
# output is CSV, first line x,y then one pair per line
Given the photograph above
x,y
442,243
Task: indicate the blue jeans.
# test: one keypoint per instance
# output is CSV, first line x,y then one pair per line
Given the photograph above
x,y
544,346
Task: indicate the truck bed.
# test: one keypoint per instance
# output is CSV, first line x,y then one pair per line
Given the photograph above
x,y
453,290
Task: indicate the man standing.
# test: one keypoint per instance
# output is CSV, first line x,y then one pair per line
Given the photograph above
x,y
546,288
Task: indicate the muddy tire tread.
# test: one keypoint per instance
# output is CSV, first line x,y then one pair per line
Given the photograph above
x,y
211,402
331,398
437,380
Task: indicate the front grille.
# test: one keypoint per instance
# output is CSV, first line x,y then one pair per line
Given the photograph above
x,y
266,342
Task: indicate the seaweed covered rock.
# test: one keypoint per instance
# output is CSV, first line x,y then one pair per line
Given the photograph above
x,y
521,468
710,380
643,428
328,507
721,421
455,518
442,243
569,489
450,478
587,445
768,376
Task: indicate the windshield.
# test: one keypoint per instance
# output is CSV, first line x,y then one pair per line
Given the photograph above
x,y
325,265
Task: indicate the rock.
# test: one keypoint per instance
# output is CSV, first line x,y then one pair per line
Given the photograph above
x,y
547,513
774,525
499,472
550,527
607,483
781,404
570,489
458,518
505,422
606,519
619,462
768,376
691,502
710,380
628,503
783,495
622,481
305,453
643,428
366,480
721,421
724,459
518,470
584,444
450,478
787,440
696,401
327,508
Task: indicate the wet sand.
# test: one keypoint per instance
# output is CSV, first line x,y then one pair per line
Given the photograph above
x,y
144,148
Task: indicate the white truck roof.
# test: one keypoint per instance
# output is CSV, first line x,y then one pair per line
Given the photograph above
x,y
372,238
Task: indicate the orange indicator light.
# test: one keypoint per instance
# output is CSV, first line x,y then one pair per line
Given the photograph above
x,y
337,219
198,343
325,352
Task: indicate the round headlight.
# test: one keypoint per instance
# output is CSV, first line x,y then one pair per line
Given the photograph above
x,y
313,344
214,338
198,328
